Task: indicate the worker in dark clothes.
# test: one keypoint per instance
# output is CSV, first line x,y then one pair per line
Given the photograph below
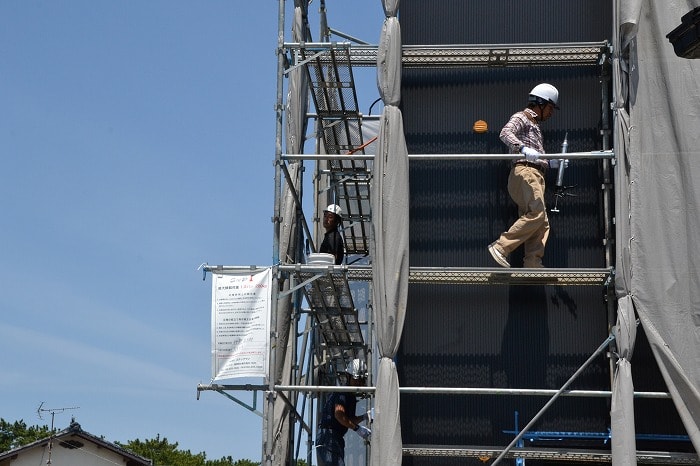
x,y
333,240
337,416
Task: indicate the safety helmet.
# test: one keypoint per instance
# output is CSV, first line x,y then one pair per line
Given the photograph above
x,y
334,209
544,93
357,369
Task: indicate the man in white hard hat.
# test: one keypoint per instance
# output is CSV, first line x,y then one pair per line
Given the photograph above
x,y
333,240
526,186
338,416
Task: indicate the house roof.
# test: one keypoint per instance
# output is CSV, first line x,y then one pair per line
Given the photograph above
x,y
66,438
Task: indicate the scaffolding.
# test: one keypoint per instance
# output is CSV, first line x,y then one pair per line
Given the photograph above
x,y
330,318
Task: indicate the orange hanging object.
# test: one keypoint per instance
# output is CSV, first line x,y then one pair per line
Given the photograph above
x,y
480,126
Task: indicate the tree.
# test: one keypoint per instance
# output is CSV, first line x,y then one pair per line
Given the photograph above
x,y
17,434
164,453
245,463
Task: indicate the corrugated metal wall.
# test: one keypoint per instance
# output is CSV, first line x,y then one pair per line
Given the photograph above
x,y
503,336
504,21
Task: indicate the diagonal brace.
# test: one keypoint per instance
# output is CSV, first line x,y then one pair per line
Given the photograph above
x,y
517,438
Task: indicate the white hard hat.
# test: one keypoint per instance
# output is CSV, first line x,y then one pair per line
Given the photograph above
x,y
357,369
335,209
543,93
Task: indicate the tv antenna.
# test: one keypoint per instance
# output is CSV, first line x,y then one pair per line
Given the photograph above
x,y
53,412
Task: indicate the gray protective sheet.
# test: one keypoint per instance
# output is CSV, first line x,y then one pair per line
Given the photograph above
x,y
624,450
390,271
296,117
658,198
389,62
389,197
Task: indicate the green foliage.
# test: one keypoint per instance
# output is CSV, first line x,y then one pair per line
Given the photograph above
x,y
245,463
17,434
164,453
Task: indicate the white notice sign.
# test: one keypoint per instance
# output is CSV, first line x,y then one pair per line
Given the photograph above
x,y
240,329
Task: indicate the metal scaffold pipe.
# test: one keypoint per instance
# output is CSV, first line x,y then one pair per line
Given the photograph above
x,y
269,417
438,391
593,155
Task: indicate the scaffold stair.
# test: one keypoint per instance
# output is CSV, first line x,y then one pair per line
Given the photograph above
x,y
331,304
340,126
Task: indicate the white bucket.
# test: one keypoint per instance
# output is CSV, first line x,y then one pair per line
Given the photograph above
x,y
321,258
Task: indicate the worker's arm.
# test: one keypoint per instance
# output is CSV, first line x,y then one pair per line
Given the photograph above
x,y
348,420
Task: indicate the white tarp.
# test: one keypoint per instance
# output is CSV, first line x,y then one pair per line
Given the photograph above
x,y
658,196
240,343
389,197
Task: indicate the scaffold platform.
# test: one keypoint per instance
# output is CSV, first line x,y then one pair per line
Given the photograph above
x,y
460,55
546,454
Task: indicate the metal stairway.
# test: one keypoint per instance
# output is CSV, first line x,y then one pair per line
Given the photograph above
x,y
340,127
337,321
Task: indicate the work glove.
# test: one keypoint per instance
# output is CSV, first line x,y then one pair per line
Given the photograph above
x,y
363,432
368,416
530,154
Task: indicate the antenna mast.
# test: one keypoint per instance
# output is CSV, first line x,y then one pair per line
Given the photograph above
x,y
53,412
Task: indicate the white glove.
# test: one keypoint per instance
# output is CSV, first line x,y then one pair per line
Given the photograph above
x,y
530,154
363,432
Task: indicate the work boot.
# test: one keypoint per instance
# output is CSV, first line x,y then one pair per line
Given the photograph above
x,y
498,255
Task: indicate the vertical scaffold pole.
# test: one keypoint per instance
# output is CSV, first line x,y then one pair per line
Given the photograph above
x,y
269,417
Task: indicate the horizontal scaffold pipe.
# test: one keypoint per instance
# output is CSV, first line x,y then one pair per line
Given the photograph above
x,y
319,46
232,268
362,117
602,154
435,390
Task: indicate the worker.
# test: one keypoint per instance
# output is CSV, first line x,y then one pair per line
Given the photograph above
x,y
333,240
526,185
338,415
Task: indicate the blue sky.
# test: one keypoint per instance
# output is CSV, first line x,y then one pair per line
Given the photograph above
x,y
136,142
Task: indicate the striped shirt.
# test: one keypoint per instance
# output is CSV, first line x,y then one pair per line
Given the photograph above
x,y
522,130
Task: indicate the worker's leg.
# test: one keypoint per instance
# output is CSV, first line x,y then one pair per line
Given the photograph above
x,y
330,451
535,244
526,188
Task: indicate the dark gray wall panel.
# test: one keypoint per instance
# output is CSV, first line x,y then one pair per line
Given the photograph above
x,y
504,21
506,336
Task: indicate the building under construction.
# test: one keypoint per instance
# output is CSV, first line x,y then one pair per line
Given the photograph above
x,y
593,359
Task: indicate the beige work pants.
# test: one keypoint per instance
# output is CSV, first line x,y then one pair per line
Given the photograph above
x,y
526,188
